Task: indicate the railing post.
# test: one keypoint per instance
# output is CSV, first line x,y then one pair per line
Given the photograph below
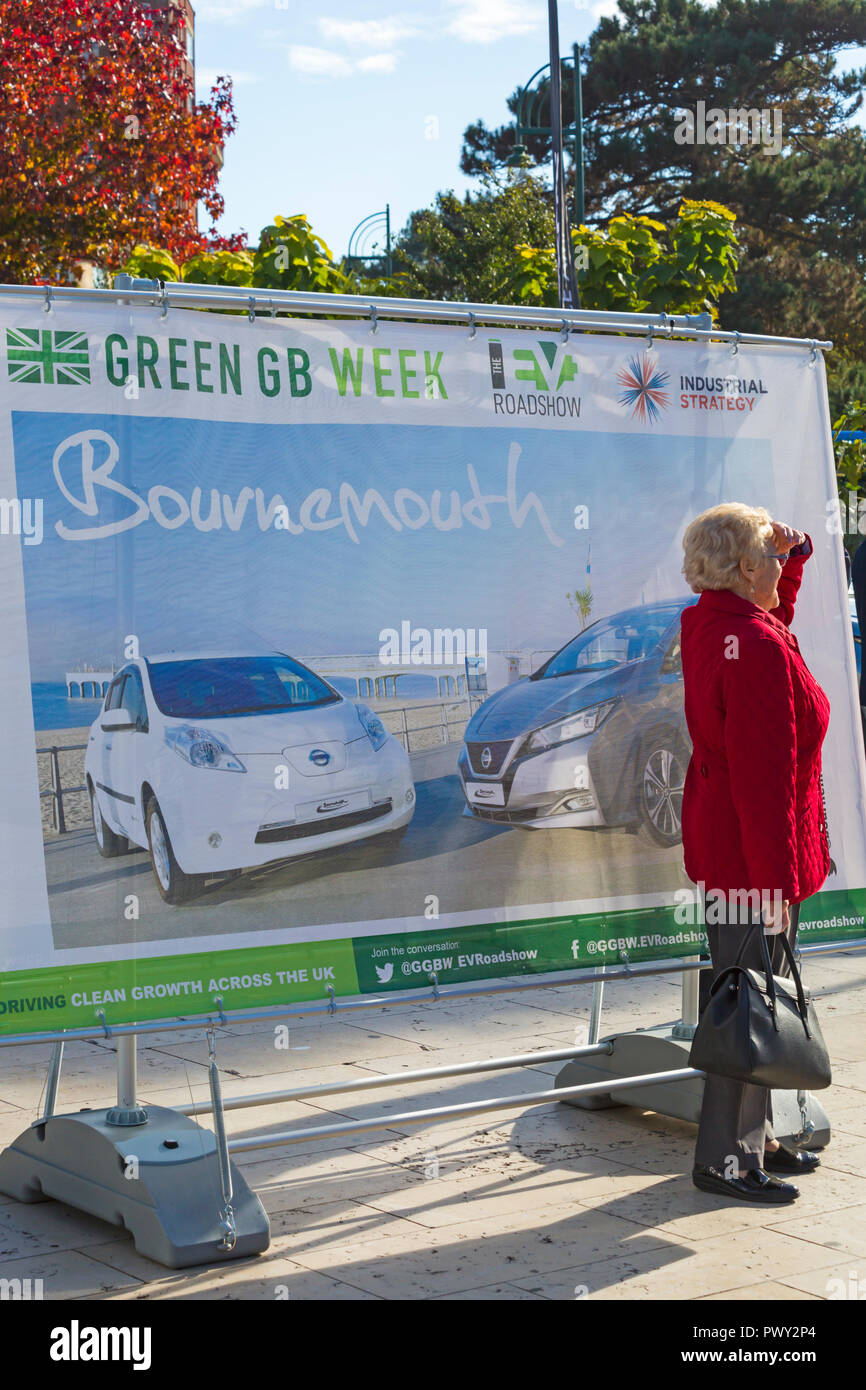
x,y
691,981
59,819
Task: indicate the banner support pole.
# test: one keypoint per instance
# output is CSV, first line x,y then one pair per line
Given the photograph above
x,y
691,980
53,1080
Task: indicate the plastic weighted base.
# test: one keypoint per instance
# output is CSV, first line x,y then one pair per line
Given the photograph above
x,y
159,1180
635,1054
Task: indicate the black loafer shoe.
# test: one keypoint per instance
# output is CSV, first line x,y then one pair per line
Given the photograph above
x,y
753,1186
784,1160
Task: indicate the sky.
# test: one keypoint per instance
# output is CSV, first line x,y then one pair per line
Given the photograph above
x,y
349,105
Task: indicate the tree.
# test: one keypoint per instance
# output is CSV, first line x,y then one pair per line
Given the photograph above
x,y
103,145
289,256
801,211
639,265
464,249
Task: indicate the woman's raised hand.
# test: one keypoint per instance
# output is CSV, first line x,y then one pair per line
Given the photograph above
x,y
784,537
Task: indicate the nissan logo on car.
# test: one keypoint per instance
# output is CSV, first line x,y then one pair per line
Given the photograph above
x,y
486,758
320,757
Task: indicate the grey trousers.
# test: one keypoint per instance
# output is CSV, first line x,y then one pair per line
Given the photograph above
x,y
737,1118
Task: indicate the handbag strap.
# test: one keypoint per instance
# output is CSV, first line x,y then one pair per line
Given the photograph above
x,y
826,825
802,1007
826,822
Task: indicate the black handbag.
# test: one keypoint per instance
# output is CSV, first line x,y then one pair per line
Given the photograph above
x,y
761,1028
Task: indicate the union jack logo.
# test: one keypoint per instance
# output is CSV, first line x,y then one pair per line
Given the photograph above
x,y
46,357
642,383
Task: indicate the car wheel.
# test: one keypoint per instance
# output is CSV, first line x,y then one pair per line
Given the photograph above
x,y
661,775
174,885
108,844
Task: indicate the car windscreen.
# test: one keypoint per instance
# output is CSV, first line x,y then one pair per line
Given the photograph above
x,y
218,687
611,642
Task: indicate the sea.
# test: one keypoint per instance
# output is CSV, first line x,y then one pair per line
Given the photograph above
x,y
52,709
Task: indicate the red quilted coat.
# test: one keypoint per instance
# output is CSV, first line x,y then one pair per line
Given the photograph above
x,y
753,814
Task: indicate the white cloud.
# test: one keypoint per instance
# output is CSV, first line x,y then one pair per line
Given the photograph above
x,y
318,62
227,11
377,62
485,21
375,33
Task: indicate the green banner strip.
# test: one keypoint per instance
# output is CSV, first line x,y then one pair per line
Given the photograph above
x,y
166,987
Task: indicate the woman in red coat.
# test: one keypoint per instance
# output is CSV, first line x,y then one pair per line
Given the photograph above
x,y
753,818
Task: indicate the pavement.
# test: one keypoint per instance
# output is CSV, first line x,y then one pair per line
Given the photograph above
x,y
540,1203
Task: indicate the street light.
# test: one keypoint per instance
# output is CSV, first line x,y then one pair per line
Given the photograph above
x,y
362,250
531,120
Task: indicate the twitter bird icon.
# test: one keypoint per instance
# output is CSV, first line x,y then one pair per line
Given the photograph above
x,y
385,972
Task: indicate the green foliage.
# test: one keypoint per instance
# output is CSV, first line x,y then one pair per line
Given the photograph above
x,y
152,263
464,249
581,602
291,257
219,268
639,265
850,465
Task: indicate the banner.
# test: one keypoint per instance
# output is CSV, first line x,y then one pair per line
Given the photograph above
x,y
340,658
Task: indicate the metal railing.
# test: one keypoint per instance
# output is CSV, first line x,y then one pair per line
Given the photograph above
x,y
57,791
443,724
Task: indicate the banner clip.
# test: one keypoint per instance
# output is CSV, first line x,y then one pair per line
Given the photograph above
x,y
100,1014
163,301
252,309
649,338
46,307
566,329
735,348
434,980
472,324
374,319
813,356
332,1000
218,1002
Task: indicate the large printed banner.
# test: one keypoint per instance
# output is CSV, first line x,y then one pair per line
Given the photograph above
x,y
338,658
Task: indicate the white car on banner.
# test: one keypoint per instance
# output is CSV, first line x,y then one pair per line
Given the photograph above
x,y
217,763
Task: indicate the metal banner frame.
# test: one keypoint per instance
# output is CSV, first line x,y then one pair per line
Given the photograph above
x,y
153,1169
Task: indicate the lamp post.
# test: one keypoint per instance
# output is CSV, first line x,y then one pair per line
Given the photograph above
x,y
358,256
568,295
531,121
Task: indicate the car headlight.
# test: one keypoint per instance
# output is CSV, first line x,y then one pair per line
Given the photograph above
x,y
372,726
201,748
578,725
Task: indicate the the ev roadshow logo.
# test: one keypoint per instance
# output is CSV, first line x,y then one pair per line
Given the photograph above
x,y
77,1343
543,380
